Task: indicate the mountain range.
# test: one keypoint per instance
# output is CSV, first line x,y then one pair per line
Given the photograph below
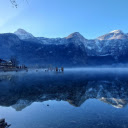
x,y
73,50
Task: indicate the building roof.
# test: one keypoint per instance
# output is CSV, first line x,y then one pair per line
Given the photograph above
x,y
2,61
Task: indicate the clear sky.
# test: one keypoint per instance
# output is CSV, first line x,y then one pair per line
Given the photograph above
x,y
59,18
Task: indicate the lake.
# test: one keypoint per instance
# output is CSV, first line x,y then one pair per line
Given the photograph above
x,y
76,98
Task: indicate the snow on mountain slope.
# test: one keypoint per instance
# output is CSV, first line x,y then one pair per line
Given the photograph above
x,y
22,34
116,34
49,41
114,43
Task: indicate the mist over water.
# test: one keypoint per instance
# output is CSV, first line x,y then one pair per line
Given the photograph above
x,y
77,97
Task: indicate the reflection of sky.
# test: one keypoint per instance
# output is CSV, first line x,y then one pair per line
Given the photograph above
x,y
75,98
58,18
59,114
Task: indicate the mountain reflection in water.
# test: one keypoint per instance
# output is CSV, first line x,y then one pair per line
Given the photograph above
x,y
19,90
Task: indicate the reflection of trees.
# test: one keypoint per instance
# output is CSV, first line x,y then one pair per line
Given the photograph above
x,y
4,124
6,77
10,78
28,89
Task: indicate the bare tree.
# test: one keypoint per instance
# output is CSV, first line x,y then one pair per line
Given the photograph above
x,y
14,3
14,61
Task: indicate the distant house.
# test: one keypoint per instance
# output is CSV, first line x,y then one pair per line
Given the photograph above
x,y
5,64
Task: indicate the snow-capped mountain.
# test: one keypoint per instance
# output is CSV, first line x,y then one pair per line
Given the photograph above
x,y
75,37
113,35
71,50
22,34
113,44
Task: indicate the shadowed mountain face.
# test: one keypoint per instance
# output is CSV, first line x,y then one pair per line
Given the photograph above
x,y
73,50
31,50
21,90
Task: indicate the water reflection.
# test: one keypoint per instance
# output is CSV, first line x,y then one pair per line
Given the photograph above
x,y
20,90
4,124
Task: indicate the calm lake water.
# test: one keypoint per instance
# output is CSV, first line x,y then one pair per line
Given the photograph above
x,y
76,98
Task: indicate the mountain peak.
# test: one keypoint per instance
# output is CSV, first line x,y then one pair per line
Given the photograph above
x,y
22,34
116,31
116,34
75,34
21,30
76,38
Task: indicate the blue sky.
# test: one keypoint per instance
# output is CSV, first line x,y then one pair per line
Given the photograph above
x,y
59,18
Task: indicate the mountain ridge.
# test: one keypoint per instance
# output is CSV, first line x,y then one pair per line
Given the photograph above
x,y
72,50
73,34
